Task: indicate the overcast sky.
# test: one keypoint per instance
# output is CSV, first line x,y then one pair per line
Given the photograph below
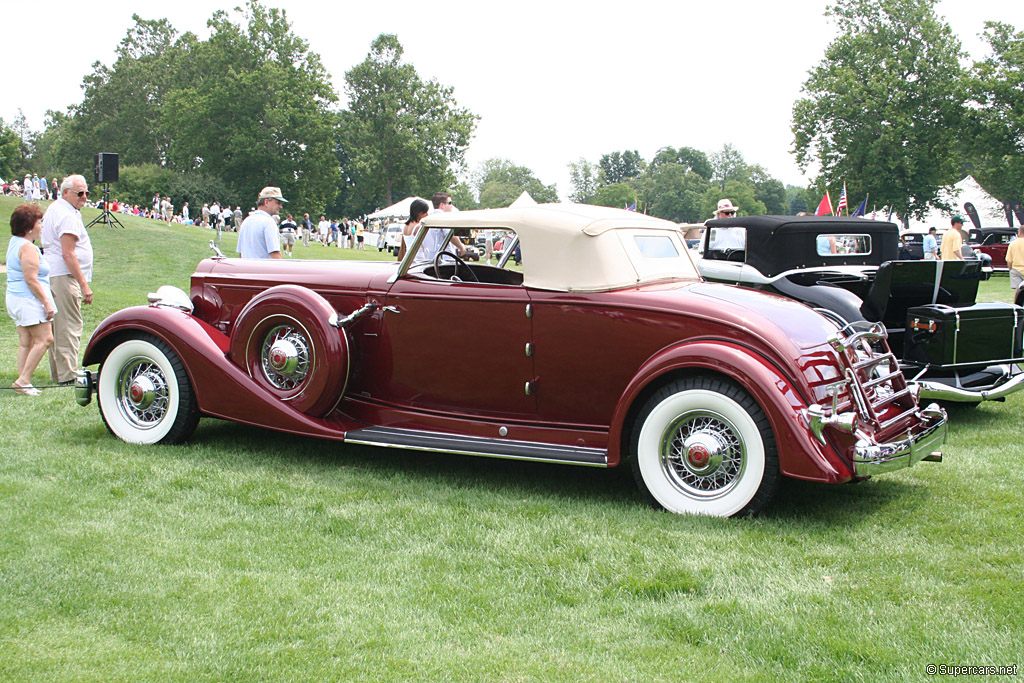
x,y
552,81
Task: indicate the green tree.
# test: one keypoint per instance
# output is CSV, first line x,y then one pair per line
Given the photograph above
x,y
618,167
692,159
260,112
400,135
584,178
122,104
672,191
617,195
462,197
741,194
500,182
12,158
726,165
796,202
884,107
997,143
768,190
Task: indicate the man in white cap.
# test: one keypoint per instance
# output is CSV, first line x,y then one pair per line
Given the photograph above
x,y
727,238
259,237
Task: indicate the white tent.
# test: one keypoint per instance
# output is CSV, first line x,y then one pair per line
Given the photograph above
x,y
523,200
398,210
990,209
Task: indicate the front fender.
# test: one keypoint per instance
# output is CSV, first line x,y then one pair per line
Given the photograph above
x,y
222,388
800,454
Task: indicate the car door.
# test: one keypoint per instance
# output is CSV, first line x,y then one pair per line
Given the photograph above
x,y
457,347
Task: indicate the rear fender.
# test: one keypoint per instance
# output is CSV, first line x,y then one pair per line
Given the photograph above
x,y
800,454
222,388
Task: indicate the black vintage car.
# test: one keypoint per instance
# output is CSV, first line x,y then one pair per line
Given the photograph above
x,y
953,347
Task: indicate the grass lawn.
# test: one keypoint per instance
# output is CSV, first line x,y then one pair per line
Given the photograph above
x,y
249,555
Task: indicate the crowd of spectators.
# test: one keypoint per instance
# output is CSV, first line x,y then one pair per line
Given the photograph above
x,y
337,232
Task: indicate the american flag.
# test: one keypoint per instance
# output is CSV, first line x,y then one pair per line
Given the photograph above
x,y
842,202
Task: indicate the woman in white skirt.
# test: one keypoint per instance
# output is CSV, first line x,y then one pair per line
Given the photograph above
x,y
29,301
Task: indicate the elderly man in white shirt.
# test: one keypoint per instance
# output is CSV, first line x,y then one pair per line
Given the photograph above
x,y
68,251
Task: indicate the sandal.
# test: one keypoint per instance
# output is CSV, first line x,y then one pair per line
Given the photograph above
x,y
27,390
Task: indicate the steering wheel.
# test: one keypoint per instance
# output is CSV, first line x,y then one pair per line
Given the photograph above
x,y
458,262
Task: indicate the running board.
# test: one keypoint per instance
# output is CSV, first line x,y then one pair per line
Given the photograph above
x,y
475,445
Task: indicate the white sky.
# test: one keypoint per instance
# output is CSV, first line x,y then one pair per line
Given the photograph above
x,y
552,81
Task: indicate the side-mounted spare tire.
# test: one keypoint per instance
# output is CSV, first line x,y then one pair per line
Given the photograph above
x,y
285,340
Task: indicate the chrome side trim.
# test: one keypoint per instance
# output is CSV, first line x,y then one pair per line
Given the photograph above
x,y
944,392
472,445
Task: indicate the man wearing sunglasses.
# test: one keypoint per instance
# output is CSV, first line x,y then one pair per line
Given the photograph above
x,y
68,251
727,238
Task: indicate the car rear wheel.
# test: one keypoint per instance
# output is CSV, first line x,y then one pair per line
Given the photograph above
x,y
144,393
704,446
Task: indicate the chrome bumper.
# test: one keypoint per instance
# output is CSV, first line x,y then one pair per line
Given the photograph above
x,y
83,386
937,391
869,458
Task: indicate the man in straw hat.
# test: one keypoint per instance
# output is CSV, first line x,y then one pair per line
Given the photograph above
x,y
727,238
259,237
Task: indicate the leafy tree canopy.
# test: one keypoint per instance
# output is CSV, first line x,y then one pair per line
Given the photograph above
x,y
584,178
500,182
884,107
996,148
400,135
618,167
617,195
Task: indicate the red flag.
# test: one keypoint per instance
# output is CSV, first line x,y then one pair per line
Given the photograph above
x,y
825,207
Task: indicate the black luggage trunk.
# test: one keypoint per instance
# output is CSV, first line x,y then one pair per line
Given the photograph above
x,y
982,334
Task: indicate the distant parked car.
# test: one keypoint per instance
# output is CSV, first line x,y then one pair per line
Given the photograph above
x,y
392,238
954,348
992,242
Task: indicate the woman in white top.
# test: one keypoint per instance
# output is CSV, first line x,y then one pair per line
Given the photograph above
x,y
418,210
28,298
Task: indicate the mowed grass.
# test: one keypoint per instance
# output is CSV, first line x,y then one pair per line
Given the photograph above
x,y
249,555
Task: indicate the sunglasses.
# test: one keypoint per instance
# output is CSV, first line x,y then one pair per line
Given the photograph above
x,y
83,193
728,213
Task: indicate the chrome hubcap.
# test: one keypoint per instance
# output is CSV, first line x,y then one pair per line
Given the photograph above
x,y
702,454
143,395
285,357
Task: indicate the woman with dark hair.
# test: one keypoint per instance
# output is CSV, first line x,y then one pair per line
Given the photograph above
x,y
418,210
29,300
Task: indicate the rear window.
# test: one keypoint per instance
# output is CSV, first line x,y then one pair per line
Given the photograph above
x,y
656,247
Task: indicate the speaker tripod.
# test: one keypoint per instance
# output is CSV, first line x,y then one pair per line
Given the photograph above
x,y
106,217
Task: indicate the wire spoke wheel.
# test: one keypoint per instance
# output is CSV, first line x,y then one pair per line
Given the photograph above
x,y
143,396
702,454
286,356
144,392
703,445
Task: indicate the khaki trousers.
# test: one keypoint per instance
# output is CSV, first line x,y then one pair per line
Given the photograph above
x,y
67,328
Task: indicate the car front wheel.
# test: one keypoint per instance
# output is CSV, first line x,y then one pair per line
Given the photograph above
x,y
144,393
704,446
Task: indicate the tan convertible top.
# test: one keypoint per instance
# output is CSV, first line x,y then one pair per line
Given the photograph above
x,y
578,247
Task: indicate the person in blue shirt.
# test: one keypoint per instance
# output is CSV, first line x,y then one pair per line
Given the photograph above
x,y
28,297
931,246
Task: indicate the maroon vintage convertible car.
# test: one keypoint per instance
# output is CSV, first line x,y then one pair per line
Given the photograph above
x,y
612,349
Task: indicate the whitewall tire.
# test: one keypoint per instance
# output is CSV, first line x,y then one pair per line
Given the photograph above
x,y
144,393
704,446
